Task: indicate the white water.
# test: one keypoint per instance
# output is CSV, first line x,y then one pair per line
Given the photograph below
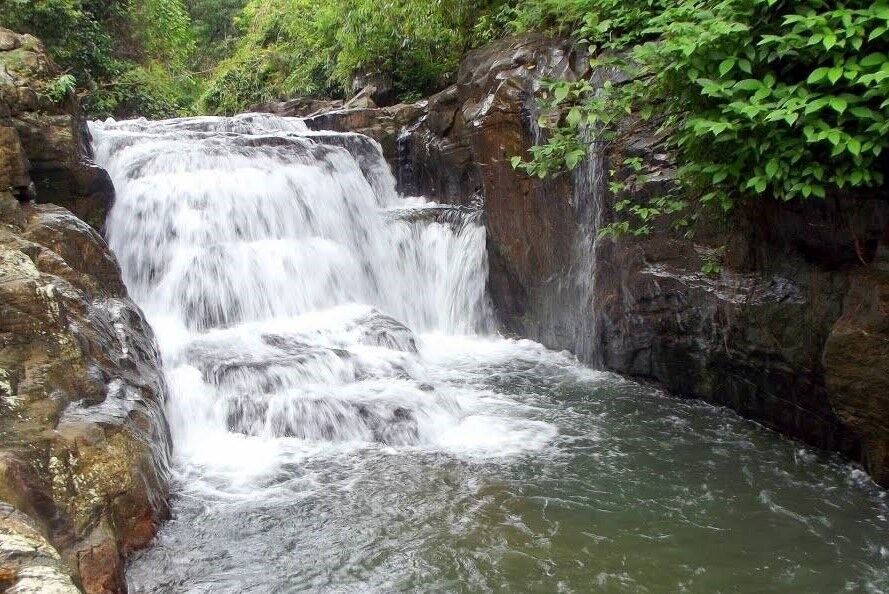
x,y
285,283
345,420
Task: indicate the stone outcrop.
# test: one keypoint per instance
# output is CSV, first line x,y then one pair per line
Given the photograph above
x,y
455,147
791,333
84,441
45,138
84,446
28,563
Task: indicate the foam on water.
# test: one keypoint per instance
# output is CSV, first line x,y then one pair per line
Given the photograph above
x,y
285,293
344,419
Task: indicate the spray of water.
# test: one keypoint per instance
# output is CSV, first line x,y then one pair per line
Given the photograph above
x,y
286,280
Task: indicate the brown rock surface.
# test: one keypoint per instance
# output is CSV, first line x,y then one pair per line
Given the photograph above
x,y
84,441
53,141
28,563
856,361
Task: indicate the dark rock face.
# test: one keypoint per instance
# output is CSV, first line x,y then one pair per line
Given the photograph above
x,y
856,362
43,141
789,333
792,333
84,446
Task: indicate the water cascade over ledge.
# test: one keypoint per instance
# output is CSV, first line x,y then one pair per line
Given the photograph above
x,y
346,418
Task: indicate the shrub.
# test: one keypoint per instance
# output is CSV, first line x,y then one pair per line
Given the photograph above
x,y
314,48
756,97
132,57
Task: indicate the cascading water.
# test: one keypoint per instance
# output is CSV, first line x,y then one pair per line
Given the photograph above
x,y
345,419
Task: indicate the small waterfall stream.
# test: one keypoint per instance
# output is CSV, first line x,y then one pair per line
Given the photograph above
x,y
345,417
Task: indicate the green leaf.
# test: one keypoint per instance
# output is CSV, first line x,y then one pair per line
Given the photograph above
x,y
574,117
838,104
726,65
817,75
572,159
834,74
748,84
870,60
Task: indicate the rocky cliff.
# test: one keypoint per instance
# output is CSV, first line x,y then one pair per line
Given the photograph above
x,y
84,445
793,331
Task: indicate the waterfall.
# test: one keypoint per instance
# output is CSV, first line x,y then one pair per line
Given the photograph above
x,y
287,280
565,312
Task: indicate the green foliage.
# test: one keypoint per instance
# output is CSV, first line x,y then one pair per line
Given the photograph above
x,y
215,30
71,30
130,57
756,97
314,48
162,30
150,91
711,267
59,88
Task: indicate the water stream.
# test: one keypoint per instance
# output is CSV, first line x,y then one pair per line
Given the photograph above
x,y
345,417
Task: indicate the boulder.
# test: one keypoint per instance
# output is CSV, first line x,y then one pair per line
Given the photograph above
x,y
377,86
85,447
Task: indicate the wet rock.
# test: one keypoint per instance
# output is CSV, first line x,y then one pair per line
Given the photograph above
x,y
299,107
28,563
749,341
454,216
47,139
856,362
382,124
13,163
378,329
85,446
